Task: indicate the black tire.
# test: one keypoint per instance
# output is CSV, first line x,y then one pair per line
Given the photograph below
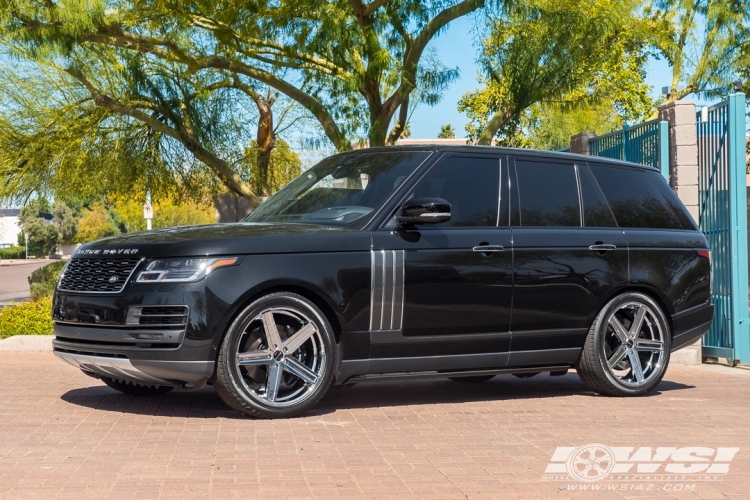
x,y
603,343
249,388
476,379
135,389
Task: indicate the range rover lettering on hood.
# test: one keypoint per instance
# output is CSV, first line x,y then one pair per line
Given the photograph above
x,y
112,251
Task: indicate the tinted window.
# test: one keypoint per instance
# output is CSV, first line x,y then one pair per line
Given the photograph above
x,y
596,211
470,185
634,198
342,190
548,194
686,220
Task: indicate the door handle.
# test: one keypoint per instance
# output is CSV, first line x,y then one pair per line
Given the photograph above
x,y
602,247
488,248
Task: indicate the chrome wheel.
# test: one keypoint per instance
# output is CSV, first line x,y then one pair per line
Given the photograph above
x,y
280,357
633,346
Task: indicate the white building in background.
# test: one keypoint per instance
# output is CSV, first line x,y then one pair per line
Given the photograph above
x,y
9,228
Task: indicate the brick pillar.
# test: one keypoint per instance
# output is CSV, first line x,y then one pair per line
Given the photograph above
x,y
579,143
683,152
683,177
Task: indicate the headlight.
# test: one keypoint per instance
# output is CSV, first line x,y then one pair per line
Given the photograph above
x,y
182,270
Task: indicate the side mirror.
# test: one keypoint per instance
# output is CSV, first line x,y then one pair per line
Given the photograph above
x,y
424,211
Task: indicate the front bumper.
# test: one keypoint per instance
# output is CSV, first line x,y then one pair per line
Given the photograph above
x,y
179,374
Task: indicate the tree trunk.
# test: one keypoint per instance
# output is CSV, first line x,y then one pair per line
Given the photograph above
x,y
266,139
493,125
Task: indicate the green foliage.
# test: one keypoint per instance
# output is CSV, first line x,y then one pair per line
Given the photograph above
x,y
65,222
550,127
705,42
27,318
43,280
569,52
17,252
167,213
447,132
284,165
97,222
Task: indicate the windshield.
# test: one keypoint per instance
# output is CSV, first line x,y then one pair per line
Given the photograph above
x,y
342,190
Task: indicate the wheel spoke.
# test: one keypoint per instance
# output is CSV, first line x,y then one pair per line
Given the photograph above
x,y
620,330
272,333
254,357
648,345
635,365
295,341
618,355
272,384
635,328
296,368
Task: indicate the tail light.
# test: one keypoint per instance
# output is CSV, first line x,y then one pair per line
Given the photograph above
x,y
706,254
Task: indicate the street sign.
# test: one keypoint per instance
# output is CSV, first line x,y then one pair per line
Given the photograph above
x,y
148,211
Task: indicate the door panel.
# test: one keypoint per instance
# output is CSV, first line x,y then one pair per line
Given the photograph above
x,y
560,281
455,300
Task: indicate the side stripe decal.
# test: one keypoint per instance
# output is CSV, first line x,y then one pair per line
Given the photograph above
x,y
387,295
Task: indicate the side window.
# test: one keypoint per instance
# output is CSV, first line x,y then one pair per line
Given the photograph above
x,y
634,198
548,194
470,185
596,211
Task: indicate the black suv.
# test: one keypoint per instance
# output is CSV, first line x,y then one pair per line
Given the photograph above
x,y
457,262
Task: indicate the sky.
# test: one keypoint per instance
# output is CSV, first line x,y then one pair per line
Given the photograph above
x,y
455,48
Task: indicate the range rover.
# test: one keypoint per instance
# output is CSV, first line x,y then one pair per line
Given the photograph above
x,y
400,262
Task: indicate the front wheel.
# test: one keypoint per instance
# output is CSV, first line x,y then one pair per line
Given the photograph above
x,y
627,347
277,358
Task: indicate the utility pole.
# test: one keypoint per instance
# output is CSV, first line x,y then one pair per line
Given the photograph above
x,y
148,210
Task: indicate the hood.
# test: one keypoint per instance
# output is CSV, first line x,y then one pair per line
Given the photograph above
x,y
229,239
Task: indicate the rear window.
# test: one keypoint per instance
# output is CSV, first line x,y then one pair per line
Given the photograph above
x,y
637,200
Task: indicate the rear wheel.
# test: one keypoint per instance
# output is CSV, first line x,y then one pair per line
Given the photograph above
x,y
627,347
135,389
277,358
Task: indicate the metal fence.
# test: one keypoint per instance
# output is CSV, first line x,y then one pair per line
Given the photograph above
x,y
646,143
723,219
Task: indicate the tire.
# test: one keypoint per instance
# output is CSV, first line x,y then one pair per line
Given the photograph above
x,y
277,358
477,379
621,358
135,389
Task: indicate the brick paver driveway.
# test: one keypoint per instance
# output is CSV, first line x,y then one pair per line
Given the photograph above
x,y
65,435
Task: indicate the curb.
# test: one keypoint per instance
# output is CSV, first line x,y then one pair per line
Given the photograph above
x,y
38,343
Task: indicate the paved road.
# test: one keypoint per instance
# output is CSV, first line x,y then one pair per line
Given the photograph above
x,y
65,435
14,285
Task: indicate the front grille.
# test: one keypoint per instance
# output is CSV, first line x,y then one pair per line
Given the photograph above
x,y
97,275
157,315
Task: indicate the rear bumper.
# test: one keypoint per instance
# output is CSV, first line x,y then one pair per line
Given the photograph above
x,y
690,325
180,374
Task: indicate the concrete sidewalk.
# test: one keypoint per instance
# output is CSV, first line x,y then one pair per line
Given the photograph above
x,y
65,435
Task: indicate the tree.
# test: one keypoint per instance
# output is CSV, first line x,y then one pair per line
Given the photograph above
x,y
703,42
168,212
354,55
97,222
41,236
65,223
447,132
570,52
282,165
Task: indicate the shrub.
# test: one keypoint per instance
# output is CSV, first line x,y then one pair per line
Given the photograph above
x,y
42,281
13,253
27,318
